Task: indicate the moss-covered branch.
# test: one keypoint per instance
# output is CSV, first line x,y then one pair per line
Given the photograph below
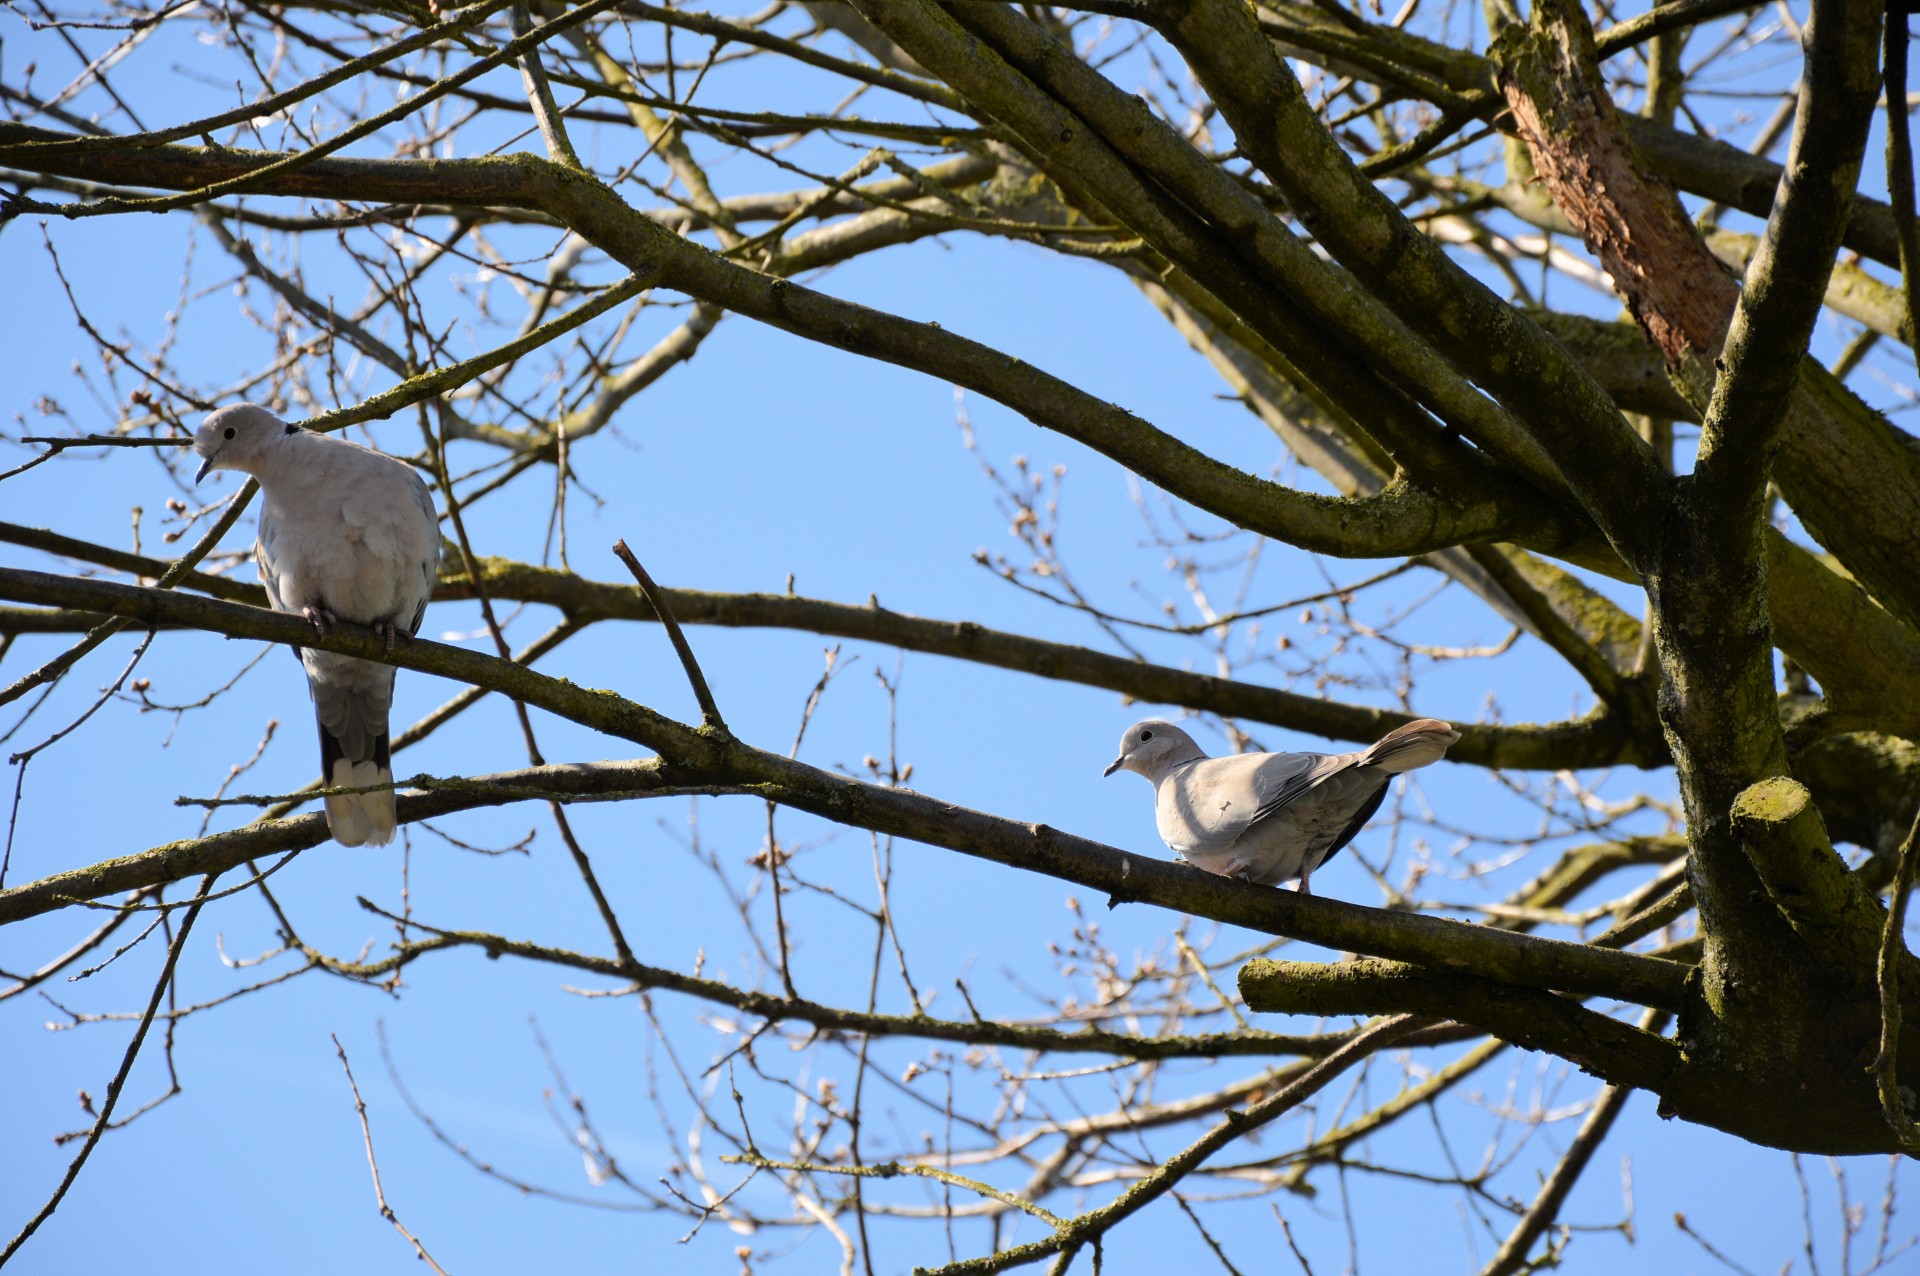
x,y
702,757
1703,166
1616,1052
1827,906
1566,412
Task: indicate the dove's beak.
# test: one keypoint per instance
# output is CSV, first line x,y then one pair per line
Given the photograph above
x,y
202,471
1112,767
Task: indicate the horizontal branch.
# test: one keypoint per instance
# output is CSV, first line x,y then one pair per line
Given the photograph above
x,y
1616,1052
778,1009
218,852
703,757
1598,740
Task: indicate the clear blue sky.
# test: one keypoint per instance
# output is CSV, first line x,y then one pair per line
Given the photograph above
x,y
764,457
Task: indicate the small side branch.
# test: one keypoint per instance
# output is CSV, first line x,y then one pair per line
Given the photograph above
x,y
1828,908
546,112
373,1165
893,1169
709,711
1893,949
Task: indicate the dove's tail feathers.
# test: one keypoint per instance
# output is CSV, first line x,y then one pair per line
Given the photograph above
x,y
1419,743
358,819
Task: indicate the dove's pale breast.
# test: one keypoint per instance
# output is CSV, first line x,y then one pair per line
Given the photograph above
x,y
349,530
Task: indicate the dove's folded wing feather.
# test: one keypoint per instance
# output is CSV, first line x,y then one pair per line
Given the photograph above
x,y
1205,807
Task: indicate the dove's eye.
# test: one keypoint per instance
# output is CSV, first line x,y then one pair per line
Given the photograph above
x,y
1145,736
229,431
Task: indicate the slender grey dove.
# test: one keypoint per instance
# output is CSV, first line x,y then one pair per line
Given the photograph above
x,y
1268,817
346,533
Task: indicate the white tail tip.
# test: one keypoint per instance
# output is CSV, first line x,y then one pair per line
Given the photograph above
x,y
359,819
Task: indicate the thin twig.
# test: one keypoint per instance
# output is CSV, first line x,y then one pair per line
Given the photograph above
x,y
1286,1230
1512,1257
1680,1221
373,1165
115,1086
709,711
1205,1235
102,440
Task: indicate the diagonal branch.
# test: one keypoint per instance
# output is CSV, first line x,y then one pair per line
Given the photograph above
x,y
1093,136
1607,466
119,1081
693,757
373,1166
1403,519
1787,282
546,111
1512,1256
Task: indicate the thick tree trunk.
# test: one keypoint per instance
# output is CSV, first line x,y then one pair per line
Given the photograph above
x,y
1783,1020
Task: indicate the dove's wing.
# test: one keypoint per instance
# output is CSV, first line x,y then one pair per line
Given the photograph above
x,y
263,562
1312,816
1204,807
1304,773
425,558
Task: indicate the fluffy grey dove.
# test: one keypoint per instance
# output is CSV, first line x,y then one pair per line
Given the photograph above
x,y
1267,817
346,533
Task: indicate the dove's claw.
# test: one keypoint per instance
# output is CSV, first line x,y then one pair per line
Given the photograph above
x,y
389,633
321,619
